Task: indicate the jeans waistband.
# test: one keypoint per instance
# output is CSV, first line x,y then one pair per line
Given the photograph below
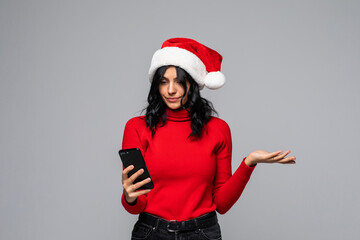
x,y
203,221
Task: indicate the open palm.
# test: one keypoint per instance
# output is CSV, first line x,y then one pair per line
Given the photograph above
x,y
261,156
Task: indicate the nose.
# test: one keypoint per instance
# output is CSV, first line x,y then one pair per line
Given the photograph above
x,y
172,89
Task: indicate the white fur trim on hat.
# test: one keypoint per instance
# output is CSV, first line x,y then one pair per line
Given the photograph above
x,y
214,80
181,58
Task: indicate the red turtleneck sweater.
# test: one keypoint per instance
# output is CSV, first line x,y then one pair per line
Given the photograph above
x,y
191,178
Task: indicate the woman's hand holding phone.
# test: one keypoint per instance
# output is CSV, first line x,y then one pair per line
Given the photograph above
x,y
130,188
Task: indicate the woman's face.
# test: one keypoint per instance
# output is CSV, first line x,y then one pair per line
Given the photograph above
x,y
171,90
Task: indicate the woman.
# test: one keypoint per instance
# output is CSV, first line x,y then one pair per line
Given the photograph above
x,y
186,149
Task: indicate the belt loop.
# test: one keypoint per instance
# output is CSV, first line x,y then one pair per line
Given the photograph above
x,y
157,224
196,223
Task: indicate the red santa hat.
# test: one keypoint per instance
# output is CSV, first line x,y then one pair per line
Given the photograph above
x,y
201,62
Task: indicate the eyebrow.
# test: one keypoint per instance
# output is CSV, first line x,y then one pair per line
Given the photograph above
x,y
168,79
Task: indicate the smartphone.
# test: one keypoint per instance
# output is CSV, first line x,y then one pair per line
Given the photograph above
x,y
134,157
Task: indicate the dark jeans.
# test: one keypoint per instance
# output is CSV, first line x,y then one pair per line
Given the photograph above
x,y
151,232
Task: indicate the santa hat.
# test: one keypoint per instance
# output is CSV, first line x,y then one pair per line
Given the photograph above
x,y
201,62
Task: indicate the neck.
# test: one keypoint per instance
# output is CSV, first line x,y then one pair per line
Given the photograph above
x,y
177,114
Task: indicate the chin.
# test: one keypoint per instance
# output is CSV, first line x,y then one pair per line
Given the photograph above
x,y
173,106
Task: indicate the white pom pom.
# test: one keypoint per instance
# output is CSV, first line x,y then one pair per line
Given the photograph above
x,y
214,80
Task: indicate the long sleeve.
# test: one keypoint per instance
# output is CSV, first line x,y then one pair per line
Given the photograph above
x,y
228,187
131,139
181,167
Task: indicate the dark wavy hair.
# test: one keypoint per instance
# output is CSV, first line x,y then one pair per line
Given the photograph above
x,y
200,109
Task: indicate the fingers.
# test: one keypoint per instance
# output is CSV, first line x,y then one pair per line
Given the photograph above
x,y
274,154
126,172
128,181
135,175
131,179
281,156
138,193
274,157
139,184
288,160
134,187
129,187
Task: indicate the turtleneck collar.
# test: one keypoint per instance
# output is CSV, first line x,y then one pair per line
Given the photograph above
x,y
178,115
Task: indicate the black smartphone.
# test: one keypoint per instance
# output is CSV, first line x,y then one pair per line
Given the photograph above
x,y
134,157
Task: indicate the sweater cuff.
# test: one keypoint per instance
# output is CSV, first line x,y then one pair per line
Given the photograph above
x,y
244,170
137,207
252,167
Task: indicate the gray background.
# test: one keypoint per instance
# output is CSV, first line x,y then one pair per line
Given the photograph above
x,y
73,72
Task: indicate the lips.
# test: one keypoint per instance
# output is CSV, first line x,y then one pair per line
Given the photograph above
x,y
172,99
